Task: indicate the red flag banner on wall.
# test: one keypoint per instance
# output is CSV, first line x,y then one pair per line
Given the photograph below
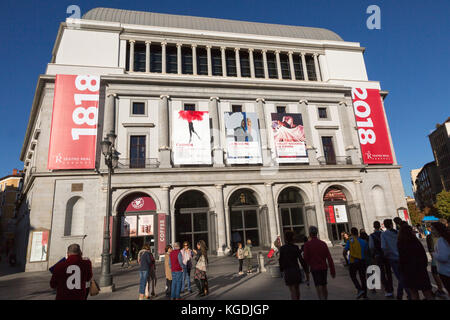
x,y
74,122
161,234
372,128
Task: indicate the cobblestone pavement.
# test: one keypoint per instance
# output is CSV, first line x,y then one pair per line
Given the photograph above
x,y
224,284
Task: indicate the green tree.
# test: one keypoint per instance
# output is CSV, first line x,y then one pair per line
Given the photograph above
x,y
443,204
415,214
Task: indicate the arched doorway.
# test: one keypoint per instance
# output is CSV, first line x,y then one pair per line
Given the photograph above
x,y
244,222
192,218
136,221
292,213
338,219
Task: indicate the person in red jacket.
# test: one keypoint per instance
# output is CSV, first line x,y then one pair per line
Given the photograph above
x,y
316,254
70,276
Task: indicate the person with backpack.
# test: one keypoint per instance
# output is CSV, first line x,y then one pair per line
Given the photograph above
x,y
380,260
431,243
126,257
358,249
390,251
442,252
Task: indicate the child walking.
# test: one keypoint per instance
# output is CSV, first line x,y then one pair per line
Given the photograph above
x,y
240,256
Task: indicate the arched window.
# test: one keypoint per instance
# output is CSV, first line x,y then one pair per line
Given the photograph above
x,y
74,224
379,201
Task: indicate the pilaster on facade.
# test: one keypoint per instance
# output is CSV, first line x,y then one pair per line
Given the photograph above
x,y
147,56
179,65
291,65
238,62
252,64
222,247
131,64
163,57
305,71
194,59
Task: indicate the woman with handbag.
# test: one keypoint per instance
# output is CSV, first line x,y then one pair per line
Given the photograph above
x,y
201,256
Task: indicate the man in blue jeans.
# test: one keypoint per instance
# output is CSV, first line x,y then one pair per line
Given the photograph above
x,y
145,263
390,251
175,263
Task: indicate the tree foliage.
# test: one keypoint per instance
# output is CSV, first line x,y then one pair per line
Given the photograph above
x,y
443,204
415,214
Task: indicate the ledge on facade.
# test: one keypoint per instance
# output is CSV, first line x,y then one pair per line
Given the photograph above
x,y
341,160
138,163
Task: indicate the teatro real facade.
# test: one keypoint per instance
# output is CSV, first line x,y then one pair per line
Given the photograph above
x,y
227,131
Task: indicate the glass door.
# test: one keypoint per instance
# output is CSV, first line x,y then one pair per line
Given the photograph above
x,y
245,223
292,219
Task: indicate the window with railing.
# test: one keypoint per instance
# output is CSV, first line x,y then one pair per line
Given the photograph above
x,y
328,150
137,151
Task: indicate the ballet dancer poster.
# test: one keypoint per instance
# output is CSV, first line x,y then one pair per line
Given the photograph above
x,y
289,138
242,136
191,137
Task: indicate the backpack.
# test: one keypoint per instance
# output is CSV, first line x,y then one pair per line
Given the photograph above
x,y
376,238
355,249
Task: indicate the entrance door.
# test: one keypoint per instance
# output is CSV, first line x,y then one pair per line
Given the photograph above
x,y
244,221
292,219
192,226
335,223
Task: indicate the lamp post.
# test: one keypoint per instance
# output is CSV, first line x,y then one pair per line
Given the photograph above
x,y
111,161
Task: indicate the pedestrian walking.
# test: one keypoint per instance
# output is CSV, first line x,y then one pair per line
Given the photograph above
x,y
175,262
145,264
200,277
126,257
431,242
398,222
442,253
380,260
345,237
358,249
290,255
240,257
317,255
187,255
167,270
248,256
70,276
390,251
413,264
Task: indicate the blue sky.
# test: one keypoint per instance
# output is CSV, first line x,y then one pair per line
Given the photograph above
x,y
409,56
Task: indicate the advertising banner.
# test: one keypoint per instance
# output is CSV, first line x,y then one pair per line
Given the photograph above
x,y
329,213
39,246
372,128
191,137
289,138
243,139
340,213
128,226
403,214
145,227
161,233
74,122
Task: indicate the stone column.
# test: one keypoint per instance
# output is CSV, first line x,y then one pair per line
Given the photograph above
x,y
238,62
194,59
163,57
227,225
359,194
217,148
165,208
305,71
252,64
164,142
277,56
221,230
273,219
312,150
224,61
321,220
147,56
350,146
131,67
208,54
291,65
266,155
266,68
109,114
179,69
316,65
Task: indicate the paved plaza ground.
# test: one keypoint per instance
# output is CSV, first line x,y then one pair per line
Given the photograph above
x,y
224,283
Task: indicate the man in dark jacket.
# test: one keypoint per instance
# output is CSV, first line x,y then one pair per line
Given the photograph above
x,y
70,276
381,261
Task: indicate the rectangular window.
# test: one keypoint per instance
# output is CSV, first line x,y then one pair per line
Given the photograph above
x,y
171,59
328,150
216,60
259,64
323,113
155,58
186,60
230,58
139,57
272,65
137,152
311,68
138,108
202,61
281,109
285,67
298,67
245,63
236,108
189,107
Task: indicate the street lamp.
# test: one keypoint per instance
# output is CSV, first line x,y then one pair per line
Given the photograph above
x,y
111,161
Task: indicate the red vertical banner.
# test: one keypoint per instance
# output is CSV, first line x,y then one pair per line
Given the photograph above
x,y
74,122
161,234
372,128
405,213
329,211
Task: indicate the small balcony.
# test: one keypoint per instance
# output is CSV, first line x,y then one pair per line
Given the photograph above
x,y
341,160
126,163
